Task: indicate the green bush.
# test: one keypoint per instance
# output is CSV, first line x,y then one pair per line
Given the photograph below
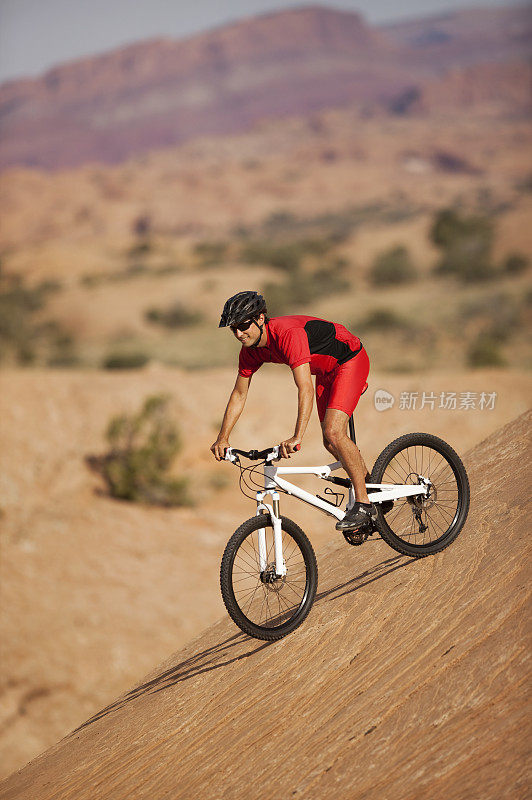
x,y
515,264
289,256
175,316
485,351
285,257
393,267
63,351
143,447
499,314
466,243
210,253
139,249
302,288
22,336
125,360
382,319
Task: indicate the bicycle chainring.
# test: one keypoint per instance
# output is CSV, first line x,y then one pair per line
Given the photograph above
x,y
358,537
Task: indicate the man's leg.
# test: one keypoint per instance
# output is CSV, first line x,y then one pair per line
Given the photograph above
x,y
333,452
338,443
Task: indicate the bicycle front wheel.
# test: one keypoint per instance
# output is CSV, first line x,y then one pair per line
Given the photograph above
x,y
421,526
262,604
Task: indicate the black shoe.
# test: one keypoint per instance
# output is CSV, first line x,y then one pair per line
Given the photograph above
x,y
358,514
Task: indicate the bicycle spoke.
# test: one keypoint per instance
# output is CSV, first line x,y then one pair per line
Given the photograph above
x,y
438,512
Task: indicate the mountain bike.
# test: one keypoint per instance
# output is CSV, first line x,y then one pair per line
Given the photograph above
x,y
269,574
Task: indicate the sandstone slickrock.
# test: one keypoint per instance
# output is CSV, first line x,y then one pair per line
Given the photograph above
x,y
408,680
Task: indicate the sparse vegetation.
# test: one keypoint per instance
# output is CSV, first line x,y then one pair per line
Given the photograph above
x,y
393,267
302,288
142,230
285,257
132,360
132,271
143,447
485,351
515,264
499,314
211,253
63,351
382,319
24,336
466,243
175,316
334,227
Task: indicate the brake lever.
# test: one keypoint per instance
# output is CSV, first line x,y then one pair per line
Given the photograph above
x,y
230,456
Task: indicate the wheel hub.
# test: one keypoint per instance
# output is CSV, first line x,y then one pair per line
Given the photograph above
x,y
421,502
271,579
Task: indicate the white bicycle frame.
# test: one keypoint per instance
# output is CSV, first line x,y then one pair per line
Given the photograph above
x,y
272,481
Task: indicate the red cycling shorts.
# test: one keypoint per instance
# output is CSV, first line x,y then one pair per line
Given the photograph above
x,y
342,387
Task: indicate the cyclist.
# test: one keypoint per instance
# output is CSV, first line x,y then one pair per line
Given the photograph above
x,y
310,346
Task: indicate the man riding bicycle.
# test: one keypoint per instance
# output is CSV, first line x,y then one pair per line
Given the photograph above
x,y
310,346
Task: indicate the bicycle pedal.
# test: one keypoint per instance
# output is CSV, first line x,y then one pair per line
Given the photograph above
x,y
359,536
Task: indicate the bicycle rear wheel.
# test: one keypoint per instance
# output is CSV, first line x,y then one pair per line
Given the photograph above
x,y
417,526
262,604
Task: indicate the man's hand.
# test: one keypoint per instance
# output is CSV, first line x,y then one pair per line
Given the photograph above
x,y
219,447
290,446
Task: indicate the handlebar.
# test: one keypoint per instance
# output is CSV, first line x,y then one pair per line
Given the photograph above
x,y
269,454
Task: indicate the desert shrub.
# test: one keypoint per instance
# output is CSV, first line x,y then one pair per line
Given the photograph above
x,y
143,447
499,314
466,243
91,279
382,319
485,351
302,288
285,257
393,267
211,252
280,222
63,350
22,333
140,248
142,226
515,264
175,316
167,269
524,184
125,360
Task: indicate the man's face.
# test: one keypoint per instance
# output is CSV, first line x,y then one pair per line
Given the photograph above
x,y
248,335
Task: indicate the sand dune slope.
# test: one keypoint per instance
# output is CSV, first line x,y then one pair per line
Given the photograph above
x,y
407,680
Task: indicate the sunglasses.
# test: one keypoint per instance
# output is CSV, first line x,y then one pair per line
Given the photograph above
x,y
242,326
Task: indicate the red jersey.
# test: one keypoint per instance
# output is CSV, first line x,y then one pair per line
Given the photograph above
x,y
299,340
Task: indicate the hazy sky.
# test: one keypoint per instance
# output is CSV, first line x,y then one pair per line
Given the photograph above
x,y
36,34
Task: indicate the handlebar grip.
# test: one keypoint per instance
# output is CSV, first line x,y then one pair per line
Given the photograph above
x,y
297,447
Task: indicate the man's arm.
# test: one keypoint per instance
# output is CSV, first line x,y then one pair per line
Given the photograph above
x,y
237,401
305,396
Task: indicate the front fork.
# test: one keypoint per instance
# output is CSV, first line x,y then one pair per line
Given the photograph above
x,y
275,516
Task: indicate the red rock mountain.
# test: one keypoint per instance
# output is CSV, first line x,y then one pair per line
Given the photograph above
x,y
161,92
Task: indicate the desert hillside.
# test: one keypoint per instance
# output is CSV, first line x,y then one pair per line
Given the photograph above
x,y
408,680
94,590
377,176
137,260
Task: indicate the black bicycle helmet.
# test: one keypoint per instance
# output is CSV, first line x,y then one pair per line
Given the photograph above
x,y
241,307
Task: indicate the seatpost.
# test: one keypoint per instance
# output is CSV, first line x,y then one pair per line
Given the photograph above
x,y
352,435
